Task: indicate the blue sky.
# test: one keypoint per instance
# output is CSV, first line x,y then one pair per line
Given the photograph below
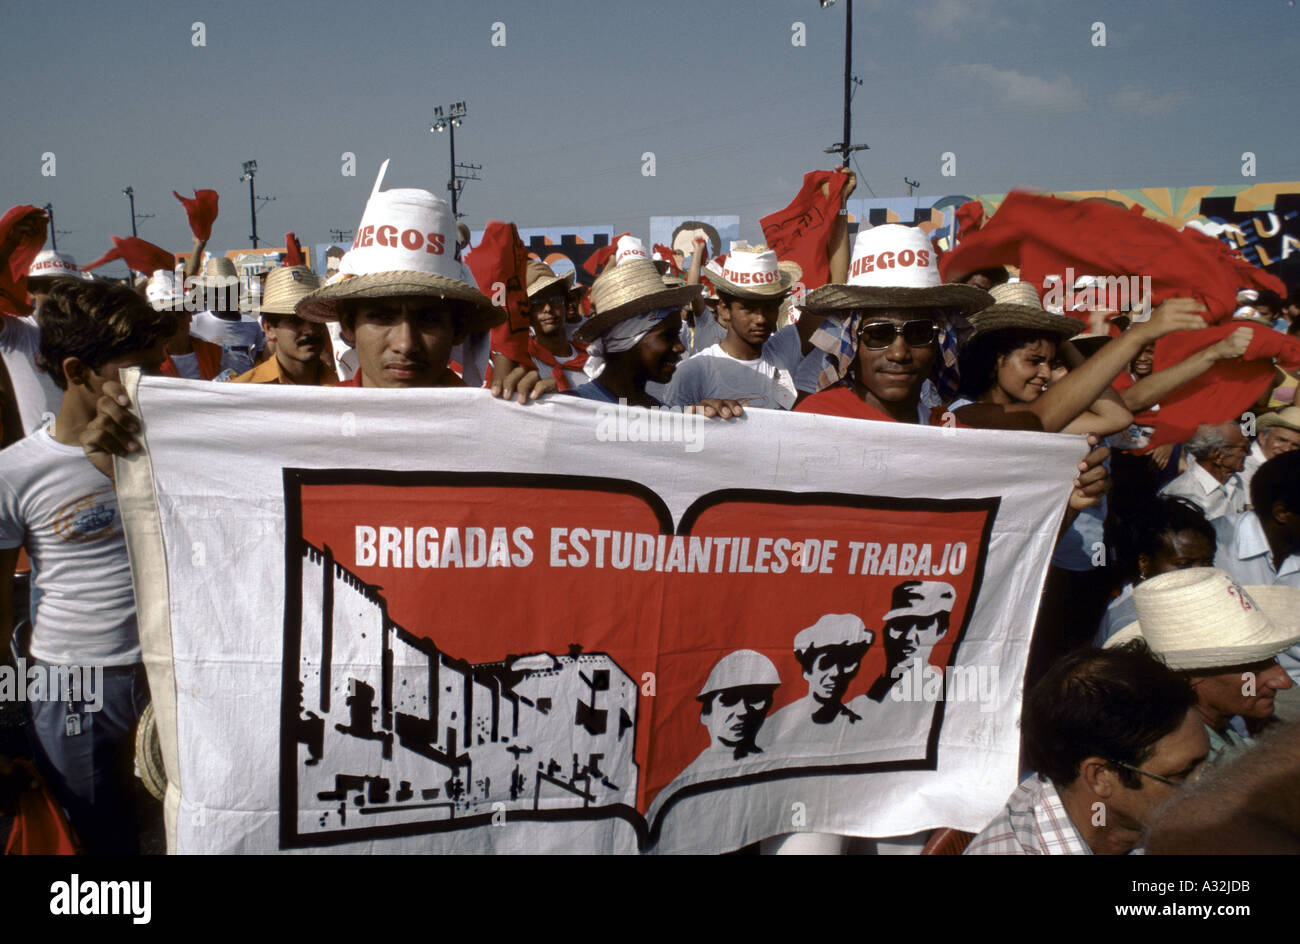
x,y
560,116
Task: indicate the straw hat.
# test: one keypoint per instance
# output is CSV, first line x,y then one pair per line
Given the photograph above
x,y
218,272
148,755
624,291
1288,417
285,287
540,277
894,266
1017,305
1200,618
405,248
753,273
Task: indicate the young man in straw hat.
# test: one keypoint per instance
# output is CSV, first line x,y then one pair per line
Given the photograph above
x,y
754,362
298,343
401,299
882,329
1224,639
632,338
1112,732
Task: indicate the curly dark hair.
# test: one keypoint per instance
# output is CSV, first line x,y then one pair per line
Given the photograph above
x,y
96,322
1158,518
1109,703
977,361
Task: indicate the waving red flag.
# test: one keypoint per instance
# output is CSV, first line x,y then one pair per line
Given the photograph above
x,y
1045,235
500,259
1227,389
970,216
201,210
800,232
22,234
140,256
293,251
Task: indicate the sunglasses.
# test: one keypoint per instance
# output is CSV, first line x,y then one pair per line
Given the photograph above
x,y
878,335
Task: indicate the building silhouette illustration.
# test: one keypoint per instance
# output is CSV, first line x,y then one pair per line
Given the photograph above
x,y
394,731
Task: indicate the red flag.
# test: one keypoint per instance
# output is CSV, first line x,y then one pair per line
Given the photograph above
x,y
800,232
970,216
602,255
500,258
667,255
1044,235
1227,389
293,251
22,234
140,256
201,210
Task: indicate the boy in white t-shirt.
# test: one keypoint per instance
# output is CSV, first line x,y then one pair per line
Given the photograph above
x,y
55,504
754,363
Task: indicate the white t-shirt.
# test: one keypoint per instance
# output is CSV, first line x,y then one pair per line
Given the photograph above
x,y
715,373
38,395
57,505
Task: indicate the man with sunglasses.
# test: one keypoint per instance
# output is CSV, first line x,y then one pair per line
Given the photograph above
x,y
1112,735
883,329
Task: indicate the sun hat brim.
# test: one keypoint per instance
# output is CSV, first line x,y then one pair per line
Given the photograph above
x,y
1001,317
1276,602
547,282
791,272
835,297
323,304
1273,420
602,321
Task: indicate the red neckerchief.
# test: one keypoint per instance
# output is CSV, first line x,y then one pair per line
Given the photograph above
x,y
539,353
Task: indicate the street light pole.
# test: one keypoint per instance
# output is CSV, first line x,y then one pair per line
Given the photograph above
x,y
844,148
250,170
450,121
54,236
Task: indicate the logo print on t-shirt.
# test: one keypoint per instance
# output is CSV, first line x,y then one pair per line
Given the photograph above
x,y
89,517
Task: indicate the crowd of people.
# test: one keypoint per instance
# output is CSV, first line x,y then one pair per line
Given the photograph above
x,y
1167,638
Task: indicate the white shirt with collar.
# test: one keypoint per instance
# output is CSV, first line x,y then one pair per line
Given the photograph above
x,y
1242,550
1217,499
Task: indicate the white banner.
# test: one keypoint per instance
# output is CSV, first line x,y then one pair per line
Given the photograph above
x,y
430,621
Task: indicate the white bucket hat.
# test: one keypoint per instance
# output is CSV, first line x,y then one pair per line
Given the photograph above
x,y
895,266
1200,618
52,264
405,247
165,290
752,273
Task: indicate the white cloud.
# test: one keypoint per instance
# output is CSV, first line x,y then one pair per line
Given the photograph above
x,y
1017,90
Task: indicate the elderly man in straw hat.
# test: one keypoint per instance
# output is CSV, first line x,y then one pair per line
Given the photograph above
x,y
754,362
1111,731
298,343
1224,639
1275,433
632,337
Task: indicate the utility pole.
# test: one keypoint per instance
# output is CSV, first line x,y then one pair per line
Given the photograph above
x,y
911,184
250,171
340,235
54,235
844,148
130,195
